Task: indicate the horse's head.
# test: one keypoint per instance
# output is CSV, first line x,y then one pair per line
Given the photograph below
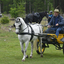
x,y
46,14
42,14
18,25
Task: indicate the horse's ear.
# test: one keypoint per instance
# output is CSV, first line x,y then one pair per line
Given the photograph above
x,y
23,18
13,25
19,19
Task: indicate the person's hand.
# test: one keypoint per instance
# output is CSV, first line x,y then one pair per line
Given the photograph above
x,y
49,17
48,26
57,24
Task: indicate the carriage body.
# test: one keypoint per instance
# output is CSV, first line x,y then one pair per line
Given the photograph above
x,y
58,40
51,38
60,37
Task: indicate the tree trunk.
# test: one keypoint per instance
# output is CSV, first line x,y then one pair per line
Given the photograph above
x,y
30,6
0,7
48,5
45,5
26,7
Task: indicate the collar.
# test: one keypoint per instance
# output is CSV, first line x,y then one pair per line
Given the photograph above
x,y
57,16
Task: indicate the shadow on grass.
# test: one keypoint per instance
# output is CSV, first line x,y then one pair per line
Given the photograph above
x,y
53,55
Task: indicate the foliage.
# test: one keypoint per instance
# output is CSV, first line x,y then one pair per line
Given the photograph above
x,y
14,12
5,12
21,8
17,10
4,20
25,5
31,5
51,6
38,5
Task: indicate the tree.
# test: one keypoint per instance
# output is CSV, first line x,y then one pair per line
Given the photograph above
x,y
14,12
38,5
0,6
17,9
32,5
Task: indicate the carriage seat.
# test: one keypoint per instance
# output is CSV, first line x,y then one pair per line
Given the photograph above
x,y
61,32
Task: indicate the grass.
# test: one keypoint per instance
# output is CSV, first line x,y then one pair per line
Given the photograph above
x,y
10,51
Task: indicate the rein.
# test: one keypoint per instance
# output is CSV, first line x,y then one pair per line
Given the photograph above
x,y
25,28
25,33
38,35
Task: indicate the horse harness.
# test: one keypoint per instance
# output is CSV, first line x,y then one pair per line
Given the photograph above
x,y
32,32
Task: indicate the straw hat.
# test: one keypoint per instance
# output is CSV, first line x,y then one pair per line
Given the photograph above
x,y
56,10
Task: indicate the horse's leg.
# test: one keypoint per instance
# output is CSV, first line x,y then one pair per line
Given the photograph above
x,y
26,45
21,44
41,46
31,49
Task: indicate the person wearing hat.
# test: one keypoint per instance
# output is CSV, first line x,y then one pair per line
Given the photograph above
x,y
57,21
50,16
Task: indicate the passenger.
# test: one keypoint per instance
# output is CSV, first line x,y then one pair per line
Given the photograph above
x,y
50,16
57,21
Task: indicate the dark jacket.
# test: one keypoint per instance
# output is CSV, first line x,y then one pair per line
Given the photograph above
x,y
60,21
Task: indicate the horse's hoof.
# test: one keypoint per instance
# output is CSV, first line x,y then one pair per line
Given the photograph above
x,y
41,55
27,56
30,56
23,60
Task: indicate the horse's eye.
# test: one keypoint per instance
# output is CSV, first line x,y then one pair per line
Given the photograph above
x,y
19,25
13,25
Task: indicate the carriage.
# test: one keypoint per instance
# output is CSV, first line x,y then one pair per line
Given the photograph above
x,y
29,32
51,38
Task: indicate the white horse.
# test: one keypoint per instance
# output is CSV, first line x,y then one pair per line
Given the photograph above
x,y
22,27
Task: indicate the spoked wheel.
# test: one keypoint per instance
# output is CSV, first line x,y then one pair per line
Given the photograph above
x,y
38,48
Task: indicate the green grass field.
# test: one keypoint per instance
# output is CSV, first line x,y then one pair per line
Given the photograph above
x,y
10,51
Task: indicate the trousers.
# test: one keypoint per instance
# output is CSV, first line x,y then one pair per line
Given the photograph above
x,y
55,29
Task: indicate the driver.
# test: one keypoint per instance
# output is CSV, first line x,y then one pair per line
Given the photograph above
x,y
57,22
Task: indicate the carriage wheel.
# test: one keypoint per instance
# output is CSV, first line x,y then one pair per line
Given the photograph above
x,y
38,49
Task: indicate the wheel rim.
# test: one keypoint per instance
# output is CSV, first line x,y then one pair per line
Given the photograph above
x,y
38,48
42,49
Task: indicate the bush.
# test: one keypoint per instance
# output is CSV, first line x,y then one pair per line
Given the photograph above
x,y
4,20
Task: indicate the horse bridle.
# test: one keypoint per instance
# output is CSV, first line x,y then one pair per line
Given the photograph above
x,y
20,27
